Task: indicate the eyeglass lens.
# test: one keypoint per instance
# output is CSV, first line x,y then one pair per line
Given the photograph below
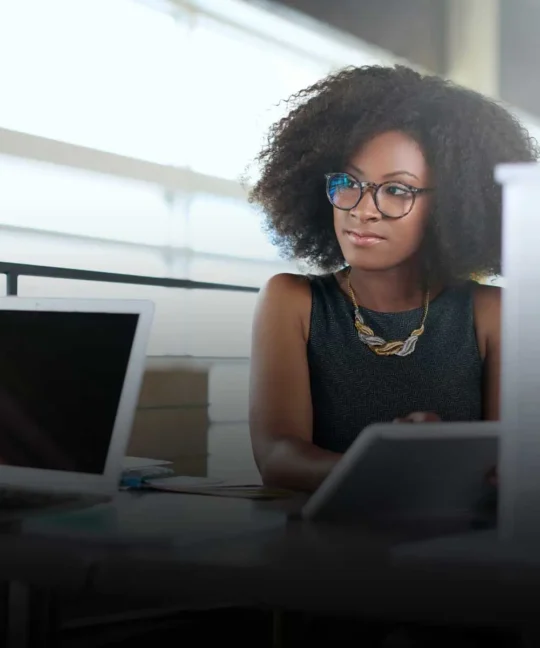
x,y
392,199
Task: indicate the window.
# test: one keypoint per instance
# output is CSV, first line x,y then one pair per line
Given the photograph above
x,y
172,331
228,227
99,73
125,78
59,250
47,197
181,89
218,323
235,86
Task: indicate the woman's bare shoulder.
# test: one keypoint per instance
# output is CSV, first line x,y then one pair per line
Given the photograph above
x,y
487,303
487,309
288,289
287,296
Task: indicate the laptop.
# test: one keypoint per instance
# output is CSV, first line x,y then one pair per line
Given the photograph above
x,y
70,375
411,474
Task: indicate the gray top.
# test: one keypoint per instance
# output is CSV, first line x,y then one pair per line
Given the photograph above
x,y
351,387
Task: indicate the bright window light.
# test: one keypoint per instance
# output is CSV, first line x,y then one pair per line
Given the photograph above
x,y
228,227
236,83
99,73
47,197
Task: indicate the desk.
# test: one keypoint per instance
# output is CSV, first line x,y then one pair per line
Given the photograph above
x,y
133,525
322,569
31,569
263,560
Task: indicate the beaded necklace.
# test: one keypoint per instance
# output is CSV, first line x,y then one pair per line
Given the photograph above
x,y
377,344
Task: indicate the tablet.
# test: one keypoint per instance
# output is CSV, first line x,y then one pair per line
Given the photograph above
x,y
406,472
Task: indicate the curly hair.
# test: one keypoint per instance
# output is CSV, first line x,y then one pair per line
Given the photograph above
x,y
463,136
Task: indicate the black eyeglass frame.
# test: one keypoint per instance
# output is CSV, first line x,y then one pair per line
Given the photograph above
x,y
415,191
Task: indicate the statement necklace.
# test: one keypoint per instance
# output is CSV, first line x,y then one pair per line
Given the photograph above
x,y
377,344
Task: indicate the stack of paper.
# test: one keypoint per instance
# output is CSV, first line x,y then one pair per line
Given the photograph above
x,y
137,470
138,463
216,487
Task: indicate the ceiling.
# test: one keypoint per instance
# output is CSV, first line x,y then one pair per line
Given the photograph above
x,y
409,28
415,30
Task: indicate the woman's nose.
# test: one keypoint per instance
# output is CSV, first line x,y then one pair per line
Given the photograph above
x,y
366,210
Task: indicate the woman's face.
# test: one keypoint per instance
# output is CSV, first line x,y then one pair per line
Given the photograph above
x,y
369,240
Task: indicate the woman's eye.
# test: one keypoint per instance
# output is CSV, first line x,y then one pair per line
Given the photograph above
x,y
349,184
343,183
398,191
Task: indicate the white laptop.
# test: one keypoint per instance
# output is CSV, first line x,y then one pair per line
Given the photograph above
x,y
70,376
409,473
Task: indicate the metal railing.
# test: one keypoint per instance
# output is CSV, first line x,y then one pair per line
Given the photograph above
x,y
13,271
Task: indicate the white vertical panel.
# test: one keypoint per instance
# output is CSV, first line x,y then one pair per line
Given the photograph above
x,y
520,383
473,44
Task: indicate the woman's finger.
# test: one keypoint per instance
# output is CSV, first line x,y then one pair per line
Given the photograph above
x,y
419,417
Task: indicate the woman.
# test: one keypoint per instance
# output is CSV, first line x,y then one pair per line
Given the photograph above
x,y
383,179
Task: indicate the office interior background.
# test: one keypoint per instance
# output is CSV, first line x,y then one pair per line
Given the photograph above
x,y
128,129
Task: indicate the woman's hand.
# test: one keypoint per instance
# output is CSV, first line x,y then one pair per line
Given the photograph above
x,y
492,475
419,417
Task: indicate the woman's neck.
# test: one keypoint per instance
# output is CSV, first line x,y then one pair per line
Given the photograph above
x,y
389,291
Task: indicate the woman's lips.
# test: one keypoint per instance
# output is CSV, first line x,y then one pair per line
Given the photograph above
x,y
363,239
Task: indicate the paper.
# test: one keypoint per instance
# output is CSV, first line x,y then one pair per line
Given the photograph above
x,y
136,463
185,480
216,488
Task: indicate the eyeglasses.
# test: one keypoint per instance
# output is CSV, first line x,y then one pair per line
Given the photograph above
x,y
392,199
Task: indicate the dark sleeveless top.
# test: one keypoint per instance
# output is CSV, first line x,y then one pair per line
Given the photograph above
x,y
351,387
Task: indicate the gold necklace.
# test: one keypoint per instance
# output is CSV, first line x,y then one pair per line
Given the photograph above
x,y
377,344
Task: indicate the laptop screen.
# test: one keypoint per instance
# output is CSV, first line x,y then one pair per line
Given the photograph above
x,y
61,378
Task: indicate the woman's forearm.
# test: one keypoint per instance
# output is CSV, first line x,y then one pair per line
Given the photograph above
x,y
297,465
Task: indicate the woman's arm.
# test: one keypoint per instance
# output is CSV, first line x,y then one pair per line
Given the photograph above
x,y
281,415
488,327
